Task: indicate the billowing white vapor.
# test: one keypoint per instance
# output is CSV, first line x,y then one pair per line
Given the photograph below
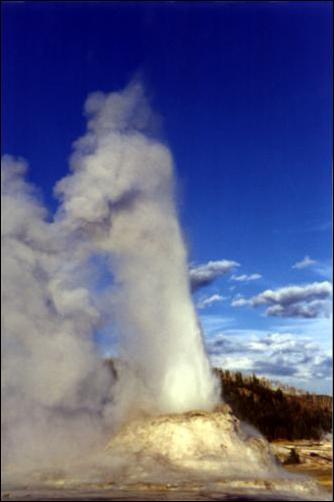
x,y
54,386
120,200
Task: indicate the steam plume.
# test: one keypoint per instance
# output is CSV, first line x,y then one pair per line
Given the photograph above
x,y
53,383
120,198
118,202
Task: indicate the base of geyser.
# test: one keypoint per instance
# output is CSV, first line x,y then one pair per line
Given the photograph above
x,y
202,449
192,456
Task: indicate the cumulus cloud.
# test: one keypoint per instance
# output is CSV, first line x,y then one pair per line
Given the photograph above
x,y
309,301
210,300
239,302
273,355
204,274
245,277
304,263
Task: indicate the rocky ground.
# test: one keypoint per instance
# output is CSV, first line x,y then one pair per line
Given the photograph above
x,y
315,458
142,495
253,490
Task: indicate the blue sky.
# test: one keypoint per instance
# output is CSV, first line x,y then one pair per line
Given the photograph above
x,y
244,94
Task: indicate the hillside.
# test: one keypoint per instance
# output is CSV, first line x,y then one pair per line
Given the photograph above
x,y
276,413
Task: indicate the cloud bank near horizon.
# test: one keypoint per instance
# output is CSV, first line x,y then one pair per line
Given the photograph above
x,y
282,356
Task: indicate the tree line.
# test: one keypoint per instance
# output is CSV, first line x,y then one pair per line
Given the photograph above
x,y
276,414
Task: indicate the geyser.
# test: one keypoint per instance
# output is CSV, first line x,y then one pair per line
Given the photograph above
x,y
120,198
61,403
118,203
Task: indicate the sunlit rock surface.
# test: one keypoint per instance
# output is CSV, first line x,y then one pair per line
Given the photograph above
x,y
199,443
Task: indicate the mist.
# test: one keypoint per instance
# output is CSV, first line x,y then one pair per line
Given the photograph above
x,y
53,382
117,202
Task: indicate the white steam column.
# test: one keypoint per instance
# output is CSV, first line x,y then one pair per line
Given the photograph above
x,y
120,200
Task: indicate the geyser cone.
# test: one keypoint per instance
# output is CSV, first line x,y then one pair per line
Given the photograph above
x,y
197,441
212,450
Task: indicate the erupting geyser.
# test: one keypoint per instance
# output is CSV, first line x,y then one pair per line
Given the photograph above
x,y
120,198
118,203
61,403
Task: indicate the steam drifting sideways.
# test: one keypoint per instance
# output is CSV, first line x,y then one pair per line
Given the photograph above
x,y
118,202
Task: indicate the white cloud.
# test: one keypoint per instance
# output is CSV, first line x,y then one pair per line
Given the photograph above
x,y
239,302
320,327
241,348
210,300
309,301
245,277
320,268
304,263
284,356
204,274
